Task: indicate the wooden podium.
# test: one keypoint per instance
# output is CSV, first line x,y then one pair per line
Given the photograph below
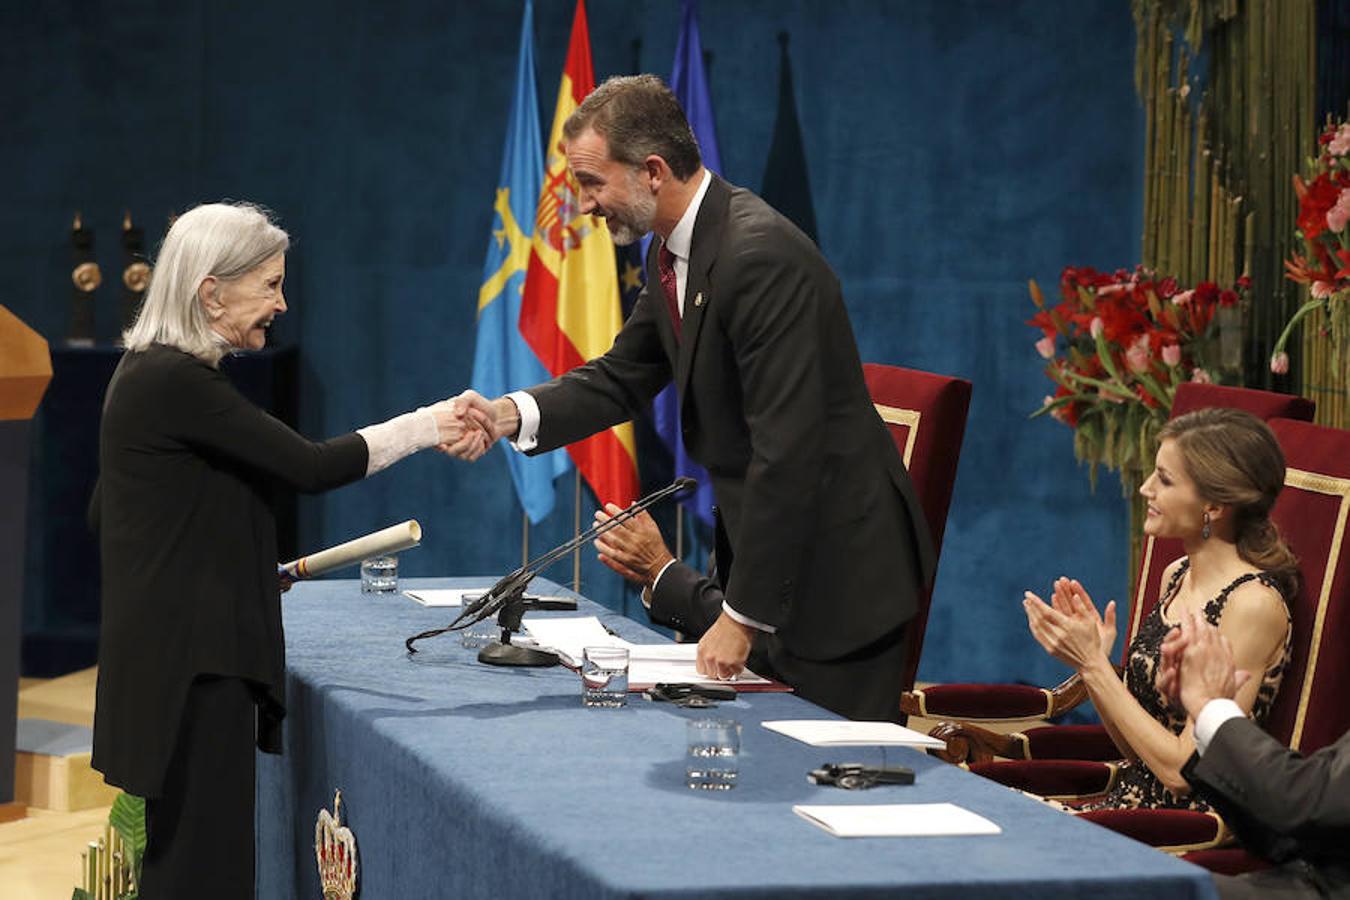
x,y
25,371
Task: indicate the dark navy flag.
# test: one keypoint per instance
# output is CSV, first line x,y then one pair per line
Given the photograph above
x,y
690,84
786,185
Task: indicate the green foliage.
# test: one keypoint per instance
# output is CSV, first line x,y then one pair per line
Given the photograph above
x,y
81,894
128,818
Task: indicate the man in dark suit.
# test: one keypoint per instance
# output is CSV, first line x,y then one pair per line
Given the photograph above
x,y
1289,809
675,594
823,547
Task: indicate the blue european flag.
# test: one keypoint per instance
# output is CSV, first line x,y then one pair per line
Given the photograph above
x,y
690,85
502,361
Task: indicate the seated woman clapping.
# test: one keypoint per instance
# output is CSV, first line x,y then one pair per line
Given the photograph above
x,y
1216,477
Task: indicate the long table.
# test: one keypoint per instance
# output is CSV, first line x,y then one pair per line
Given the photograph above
x,y
462,780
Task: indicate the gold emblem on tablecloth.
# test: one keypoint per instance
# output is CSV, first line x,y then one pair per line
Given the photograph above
x,y
335,851
136,276
87,276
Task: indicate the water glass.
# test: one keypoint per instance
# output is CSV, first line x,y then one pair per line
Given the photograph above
x,y
379,575
604,676
480,634
714,746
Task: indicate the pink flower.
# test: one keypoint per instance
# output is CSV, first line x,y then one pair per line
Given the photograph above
x,y
1096,327
1183,298
1200,376
1046,347
1279,363
1322,289
1340,144
1137,356
1339,214
1171,354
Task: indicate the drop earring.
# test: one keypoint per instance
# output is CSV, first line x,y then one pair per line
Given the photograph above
x,y
1204,532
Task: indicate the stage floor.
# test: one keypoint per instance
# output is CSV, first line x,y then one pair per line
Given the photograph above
x,y
40,855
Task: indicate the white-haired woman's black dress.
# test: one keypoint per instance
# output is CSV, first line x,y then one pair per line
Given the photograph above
x,y
191,654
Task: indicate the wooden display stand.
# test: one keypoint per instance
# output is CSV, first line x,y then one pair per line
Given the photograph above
x,y
25,371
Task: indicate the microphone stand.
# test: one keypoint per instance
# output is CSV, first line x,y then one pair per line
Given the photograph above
x,y
507,598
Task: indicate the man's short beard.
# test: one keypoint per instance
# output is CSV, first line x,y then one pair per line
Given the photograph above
x,y
630,223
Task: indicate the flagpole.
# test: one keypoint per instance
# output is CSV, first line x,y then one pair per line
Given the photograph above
x,y
576,530
679,531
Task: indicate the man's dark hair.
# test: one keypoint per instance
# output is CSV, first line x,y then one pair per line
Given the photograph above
x,y
639,117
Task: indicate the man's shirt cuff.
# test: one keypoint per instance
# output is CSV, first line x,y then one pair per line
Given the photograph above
x,y
1215,713
527,438
746,620
657,579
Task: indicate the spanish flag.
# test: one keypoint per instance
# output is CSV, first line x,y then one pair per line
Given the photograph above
x,y
570,309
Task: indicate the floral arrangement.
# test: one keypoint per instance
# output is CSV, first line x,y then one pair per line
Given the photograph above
x,y
1324,264
1116,346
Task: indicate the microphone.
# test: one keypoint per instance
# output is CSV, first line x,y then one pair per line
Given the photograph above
x,y
513,584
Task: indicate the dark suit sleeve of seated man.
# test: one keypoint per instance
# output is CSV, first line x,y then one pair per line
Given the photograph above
x,y
1281,805
685,600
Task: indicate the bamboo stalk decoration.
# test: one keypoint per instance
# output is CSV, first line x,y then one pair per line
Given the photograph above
x,y
1219,148
106,868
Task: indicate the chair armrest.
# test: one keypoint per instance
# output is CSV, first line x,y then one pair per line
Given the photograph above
x,y
1174,830
968,743
994,702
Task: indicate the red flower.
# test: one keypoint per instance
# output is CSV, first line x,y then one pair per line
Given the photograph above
x,y
1068,413
1145,397
1228,298
1314,204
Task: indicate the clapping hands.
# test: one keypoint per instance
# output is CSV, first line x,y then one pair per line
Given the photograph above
x,y
1196,666
1070,628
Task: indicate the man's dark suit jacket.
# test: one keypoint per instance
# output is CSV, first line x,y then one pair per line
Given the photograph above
x,y
1290,809
187,467
829,541
685,600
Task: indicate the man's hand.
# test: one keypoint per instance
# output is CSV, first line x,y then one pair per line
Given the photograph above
x,y
481,422
500,417
633,548
461,430
1206,671
1167,680
723,650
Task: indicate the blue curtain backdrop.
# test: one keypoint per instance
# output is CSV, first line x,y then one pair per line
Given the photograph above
x,y
956,149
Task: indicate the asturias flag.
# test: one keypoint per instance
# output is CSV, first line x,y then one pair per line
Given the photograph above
x,y
570,311
502,361
690,85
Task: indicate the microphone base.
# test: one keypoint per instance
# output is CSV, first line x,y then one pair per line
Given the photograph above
x,y
499,654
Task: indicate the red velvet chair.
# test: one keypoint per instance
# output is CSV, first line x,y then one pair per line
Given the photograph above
x,y
1310,711
1007,703
926,415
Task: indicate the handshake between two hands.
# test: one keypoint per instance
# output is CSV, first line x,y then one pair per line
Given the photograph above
x,y
468,425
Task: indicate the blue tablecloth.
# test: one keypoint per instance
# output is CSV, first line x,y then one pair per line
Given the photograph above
x,y
462,780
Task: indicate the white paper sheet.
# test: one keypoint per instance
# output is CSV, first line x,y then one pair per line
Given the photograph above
x,y
648,664
897,820
457,596
828,733
569,635
441,596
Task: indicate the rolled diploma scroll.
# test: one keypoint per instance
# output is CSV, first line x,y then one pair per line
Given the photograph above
x,y
377,543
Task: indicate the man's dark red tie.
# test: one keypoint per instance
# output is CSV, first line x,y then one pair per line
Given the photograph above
x,y
665,265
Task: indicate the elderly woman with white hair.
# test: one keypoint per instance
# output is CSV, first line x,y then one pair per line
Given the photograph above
x,y
191,654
